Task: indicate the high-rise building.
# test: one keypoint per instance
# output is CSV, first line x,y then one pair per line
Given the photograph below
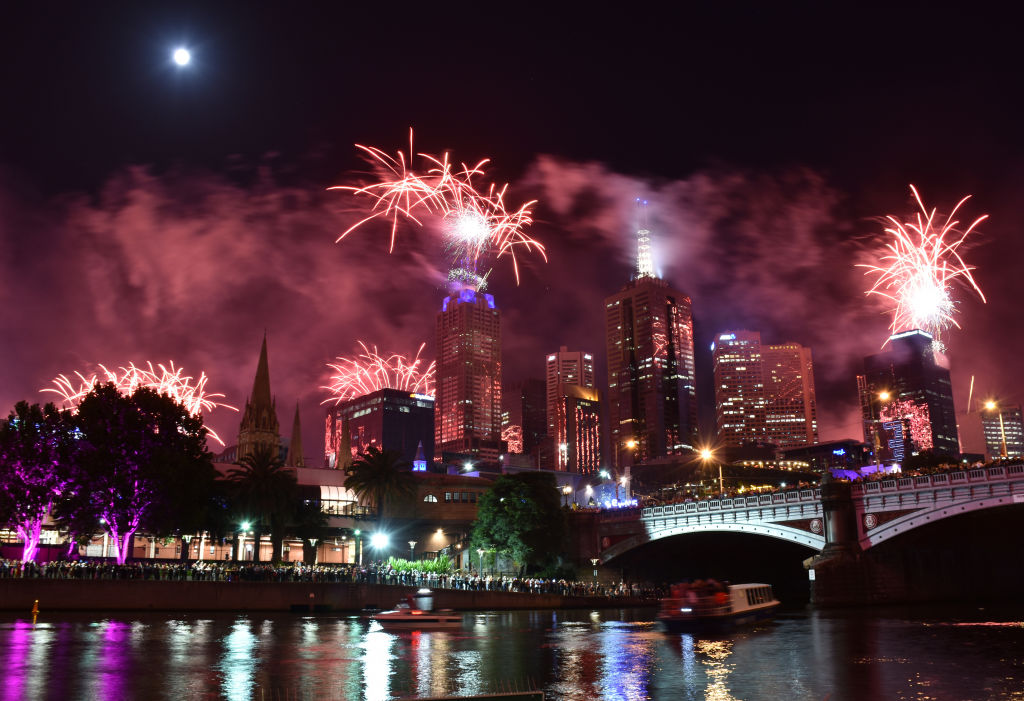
x,y
388,419
652,404
567,369
467,418
1003,427
578,446
259,425
763,393
524,406
908,384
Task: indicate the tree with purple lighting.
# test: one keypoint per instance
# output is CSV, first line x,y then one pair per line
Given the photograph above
x,y
133,451
34,447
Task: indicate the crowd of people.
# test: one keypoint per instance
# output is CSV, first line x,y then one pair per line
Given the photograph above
x,y
372,573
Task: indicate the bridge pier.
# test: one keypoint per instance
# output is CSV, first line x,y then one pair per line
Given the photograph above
x,y
841,575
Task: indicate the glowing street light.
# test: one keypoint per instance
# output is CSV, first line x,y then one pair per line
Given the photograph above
x,y
567,490
182,56
379,541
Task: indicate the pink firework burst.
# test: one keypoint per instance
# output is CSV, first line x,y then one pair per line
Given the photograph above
x,y
920,268
184,389
477,223
369,372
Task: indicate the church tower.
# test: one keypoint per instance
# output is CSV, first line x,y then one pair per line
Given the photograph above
x,y
259,420
295,458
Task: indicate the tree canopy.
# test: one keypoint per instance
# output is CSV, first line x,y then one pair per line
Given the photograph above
x,y
266,489
132,454
35,446
380,476
521,518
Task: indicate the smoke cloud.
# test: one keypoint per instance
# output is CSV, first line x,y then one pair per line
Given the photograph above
x,y
194,267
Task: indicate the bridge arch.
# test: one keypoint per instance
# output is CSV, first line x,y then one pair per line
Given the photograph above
x,y
769,530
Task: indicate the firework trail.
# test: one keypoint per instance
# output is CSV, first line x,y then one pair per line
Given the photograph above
x,y
920,268
163,379
477,223
369,372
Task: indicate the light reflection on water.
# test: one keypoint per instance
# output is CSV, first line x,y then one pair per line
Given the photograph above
x,y
570,655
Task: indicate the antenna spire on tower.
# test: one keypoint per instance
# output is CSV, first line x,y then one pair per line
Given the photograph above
x,y
644,260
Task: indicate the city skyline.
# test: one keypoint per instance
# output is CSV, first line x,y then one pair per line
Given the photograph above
x,y
173,222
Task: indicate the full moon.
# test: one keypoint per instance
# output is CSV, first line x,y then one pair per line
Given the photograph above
x,y
182,57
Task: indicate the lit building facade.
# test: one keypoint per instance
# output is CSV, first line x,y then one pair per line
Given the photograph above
x,y
1003,425
908,384
524,415
467,417
566,370
388,419
763,393
579,420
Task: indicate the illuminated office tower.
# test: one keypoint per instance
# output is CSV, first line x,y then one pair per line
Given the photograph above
x,y
388,419
652,403
909,383
1004,431
763,393
467,409
566,370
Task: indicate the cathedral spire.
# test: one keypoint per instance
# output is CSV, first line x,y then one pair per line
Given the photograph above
x,y
295,458
261,385
259,419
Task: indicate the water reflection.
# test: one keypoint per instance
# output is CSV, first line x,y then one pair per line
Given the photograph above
x,y
570,655
714,654
237,665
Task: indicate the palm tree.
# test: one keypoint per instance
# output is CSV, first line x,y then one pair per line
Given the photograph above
x,y
310,523
267,490
379,476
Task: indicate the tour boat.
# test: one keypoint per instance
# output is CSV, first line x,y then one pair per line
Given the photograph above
x,y
711,606
416,613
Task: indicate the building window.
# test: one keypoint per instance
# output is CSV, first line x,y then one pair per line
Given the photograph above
x,y
431,498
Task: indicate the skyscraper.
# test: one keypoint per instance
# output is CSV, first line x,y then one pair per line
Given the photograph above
x,y
578,448
763,393
388,419
652,403
566,370
909,383
1003,427
467,418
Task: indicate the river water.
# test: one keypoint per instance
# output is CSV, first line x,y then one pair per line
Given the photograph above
x,y
611,654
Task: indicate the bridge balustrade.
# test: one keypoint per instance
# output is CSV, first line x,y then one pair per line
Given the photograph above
x,y
905,482
996,472
806,494
715,504
778,498
977,474
691,506
957,477
792,496
1014,470
702,506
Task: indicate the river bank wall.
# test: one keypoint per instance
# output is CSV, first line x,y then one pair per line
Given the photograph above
x,y
188,596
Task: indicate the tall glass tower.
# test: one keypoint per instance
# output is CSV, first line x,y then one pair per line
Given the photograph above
x,y
467,409
652,403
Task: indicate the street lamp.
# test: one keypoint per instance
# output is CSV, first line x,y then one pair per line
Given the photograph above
x,y
359,546
412,550
567,490
240,555
594,562
992,406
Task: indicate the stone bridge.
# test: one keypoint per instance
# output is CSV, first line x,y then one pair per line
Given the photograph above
x,y
867,514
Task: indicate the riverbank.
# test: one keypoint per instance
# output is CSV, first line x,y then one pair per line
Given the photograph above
x,y
190,596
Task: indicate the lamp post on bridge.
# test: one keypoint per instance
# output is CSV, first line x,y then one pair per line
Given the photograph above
x,y
594,562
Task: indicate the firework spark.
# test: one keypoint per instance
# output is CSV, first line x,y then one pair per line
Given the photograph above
x,y
165,379
369,372
920,268
477,224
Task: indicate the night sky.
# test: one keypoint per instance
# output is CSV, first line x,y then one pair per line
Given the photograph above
x,y
149,212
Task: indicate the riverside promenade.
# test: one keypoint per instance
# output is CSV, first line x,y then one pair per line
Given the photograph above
x,y
320,597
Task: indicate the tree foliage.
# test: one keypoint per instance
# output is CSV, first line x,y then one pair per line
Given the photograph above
x,y
521,518
380,476
35,446
265,489
132,452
